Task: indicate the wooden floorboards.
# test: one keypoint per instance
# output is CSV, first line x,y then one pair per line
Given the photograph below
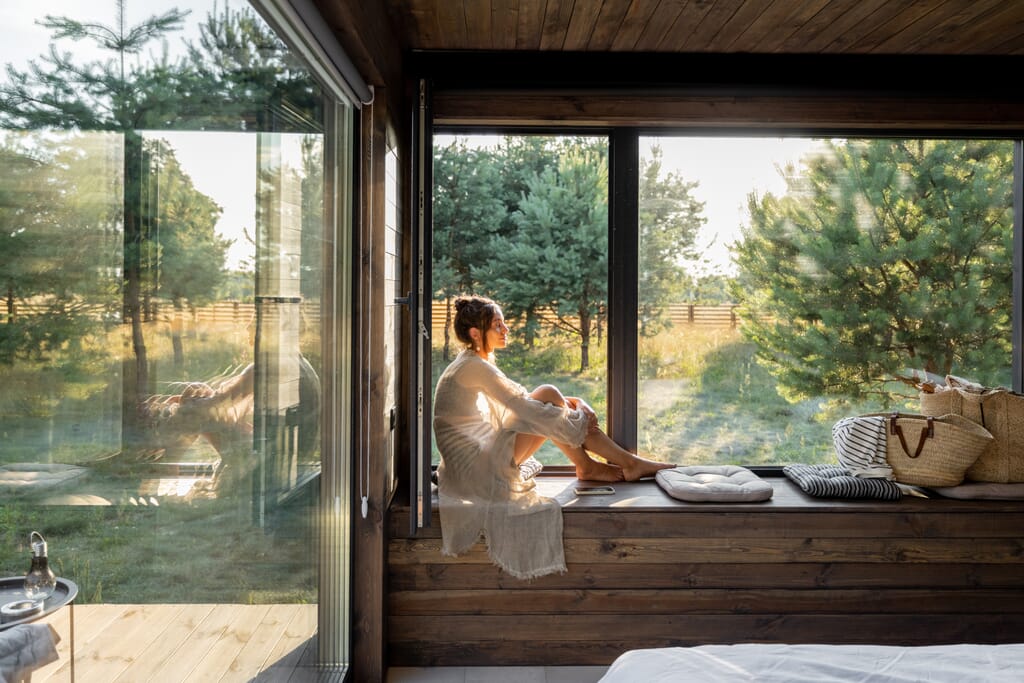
x,y
181,642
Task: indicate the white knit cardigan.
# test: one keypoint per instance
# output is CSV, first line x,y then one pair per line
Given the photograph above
x,y
477,413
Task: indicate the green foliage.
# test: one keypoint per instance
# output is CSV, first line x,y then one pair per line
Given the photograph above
x,y
58,237
558,256
189,263
885,257
526,222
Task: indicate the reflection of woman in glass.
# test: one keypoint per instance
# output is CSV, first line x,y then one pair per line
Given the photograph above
x,y
486,425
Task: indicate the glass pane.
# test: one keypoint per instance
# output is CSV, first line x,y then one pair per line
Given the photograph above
x,y
163,241
523,220
787,283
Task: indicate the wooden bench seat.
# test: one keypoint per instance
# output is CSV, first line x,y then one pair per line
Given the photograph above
x,y
646,570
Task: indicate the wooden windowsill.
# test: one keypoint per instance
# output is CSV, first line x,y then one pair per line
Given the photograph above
x,y
647,496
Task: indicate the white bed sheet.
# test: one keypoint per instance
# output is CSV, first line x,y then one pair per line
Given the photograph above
x,y
961,663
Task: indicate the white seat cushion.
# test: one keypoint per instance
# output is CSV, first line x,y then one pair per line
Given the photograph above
x,y
715,483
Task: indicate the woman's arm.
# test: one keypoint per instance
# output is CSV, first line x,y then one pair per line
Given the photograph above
x,y
521,413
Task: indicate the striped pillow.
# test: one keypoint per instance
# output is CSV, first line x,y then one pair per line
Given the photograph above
x,y
860,446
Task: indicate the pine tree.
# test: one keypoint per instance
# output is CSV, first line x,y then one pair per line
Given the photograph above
x,y
467,211
885,258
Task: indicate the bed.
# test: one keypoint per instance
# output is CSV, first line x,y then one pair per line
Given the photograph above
x,y
773,663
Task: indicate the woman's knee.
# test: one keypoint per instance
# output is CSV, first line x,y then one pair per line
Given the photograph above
x,y
548,393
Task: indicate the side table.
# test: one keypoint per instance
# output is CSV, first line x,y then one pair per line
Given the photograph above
x,y
12,590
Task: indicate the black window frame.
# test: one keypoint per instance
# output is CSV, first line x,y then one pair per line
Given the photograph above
x,y
623,267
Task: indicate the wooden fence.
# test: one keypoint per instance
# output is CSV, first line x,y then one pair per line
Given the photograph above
x,y
722,315
218,313
240,313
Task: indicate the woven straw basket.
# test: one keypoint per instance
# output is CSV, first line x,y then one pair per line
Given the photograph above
x,y
999,411
933,451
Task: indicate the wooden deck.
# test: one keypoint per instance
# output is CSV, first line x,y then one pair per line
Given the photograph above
x,y
178,642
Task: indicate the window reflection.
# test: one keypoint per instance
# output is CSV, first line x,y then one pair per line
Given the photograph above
x,y
163,249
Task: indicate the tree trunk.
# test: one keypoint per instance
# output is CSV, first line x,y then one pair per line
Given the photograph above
x,y
177,323
135,377
584,339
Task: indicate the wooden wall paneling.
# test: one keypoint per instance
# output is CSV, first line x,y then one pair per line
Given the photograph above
x,y
650,575
795,569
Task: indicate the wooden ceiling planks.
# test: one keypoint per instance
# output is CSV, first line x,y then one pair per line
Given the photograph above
x,y
839,32
769,24
978,27
556,24
531,24
635,21
581,25
662,23
451,21
1006,18
608,24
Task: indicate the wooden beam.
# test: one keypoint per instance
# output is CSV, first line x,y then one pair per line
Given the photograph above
x,y
370,470
804,112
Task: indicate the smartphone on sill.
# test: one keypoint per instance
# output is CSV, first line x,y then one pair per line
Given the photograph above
x,y
594,490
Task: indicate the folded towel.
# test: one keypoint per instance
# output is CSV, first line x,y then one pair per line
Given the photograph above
x,y
833,481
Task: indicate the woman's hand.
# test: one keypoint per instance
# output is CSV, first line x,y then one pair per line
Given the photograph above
x,y
579,404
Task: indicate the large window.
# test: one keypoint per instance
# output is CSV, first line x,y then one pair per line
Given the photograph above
x,y
786,283
169,333
780,283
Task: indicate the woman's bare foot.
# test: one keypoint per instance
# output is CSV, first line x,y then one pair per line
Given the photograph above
x,y
599,471
638,468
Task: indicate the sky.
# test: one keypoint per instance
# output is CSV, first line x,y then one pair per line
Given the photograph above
x,y
727,170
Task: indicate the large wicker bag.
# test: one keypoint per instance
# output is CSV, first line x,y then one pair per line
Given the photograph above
x,y
999,411
933,451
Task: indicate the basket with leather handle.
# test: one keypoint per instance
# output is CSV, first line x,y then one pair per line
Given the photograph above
x,y
926,450
1001,412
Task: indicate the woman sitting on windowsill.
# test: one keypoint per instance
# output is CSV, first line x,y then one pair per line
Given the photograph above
x,y
485,426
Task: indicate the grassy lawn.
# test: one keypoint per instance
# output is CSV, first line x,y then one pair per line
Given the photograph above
x,y
703,399
135,546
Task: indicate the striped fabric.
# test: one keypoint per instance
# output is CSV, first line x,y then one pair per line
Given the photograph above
x,y
835,481
860,446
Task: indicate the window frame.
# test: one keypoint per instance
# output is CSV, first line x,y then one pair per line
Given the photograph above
x,y
623,269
